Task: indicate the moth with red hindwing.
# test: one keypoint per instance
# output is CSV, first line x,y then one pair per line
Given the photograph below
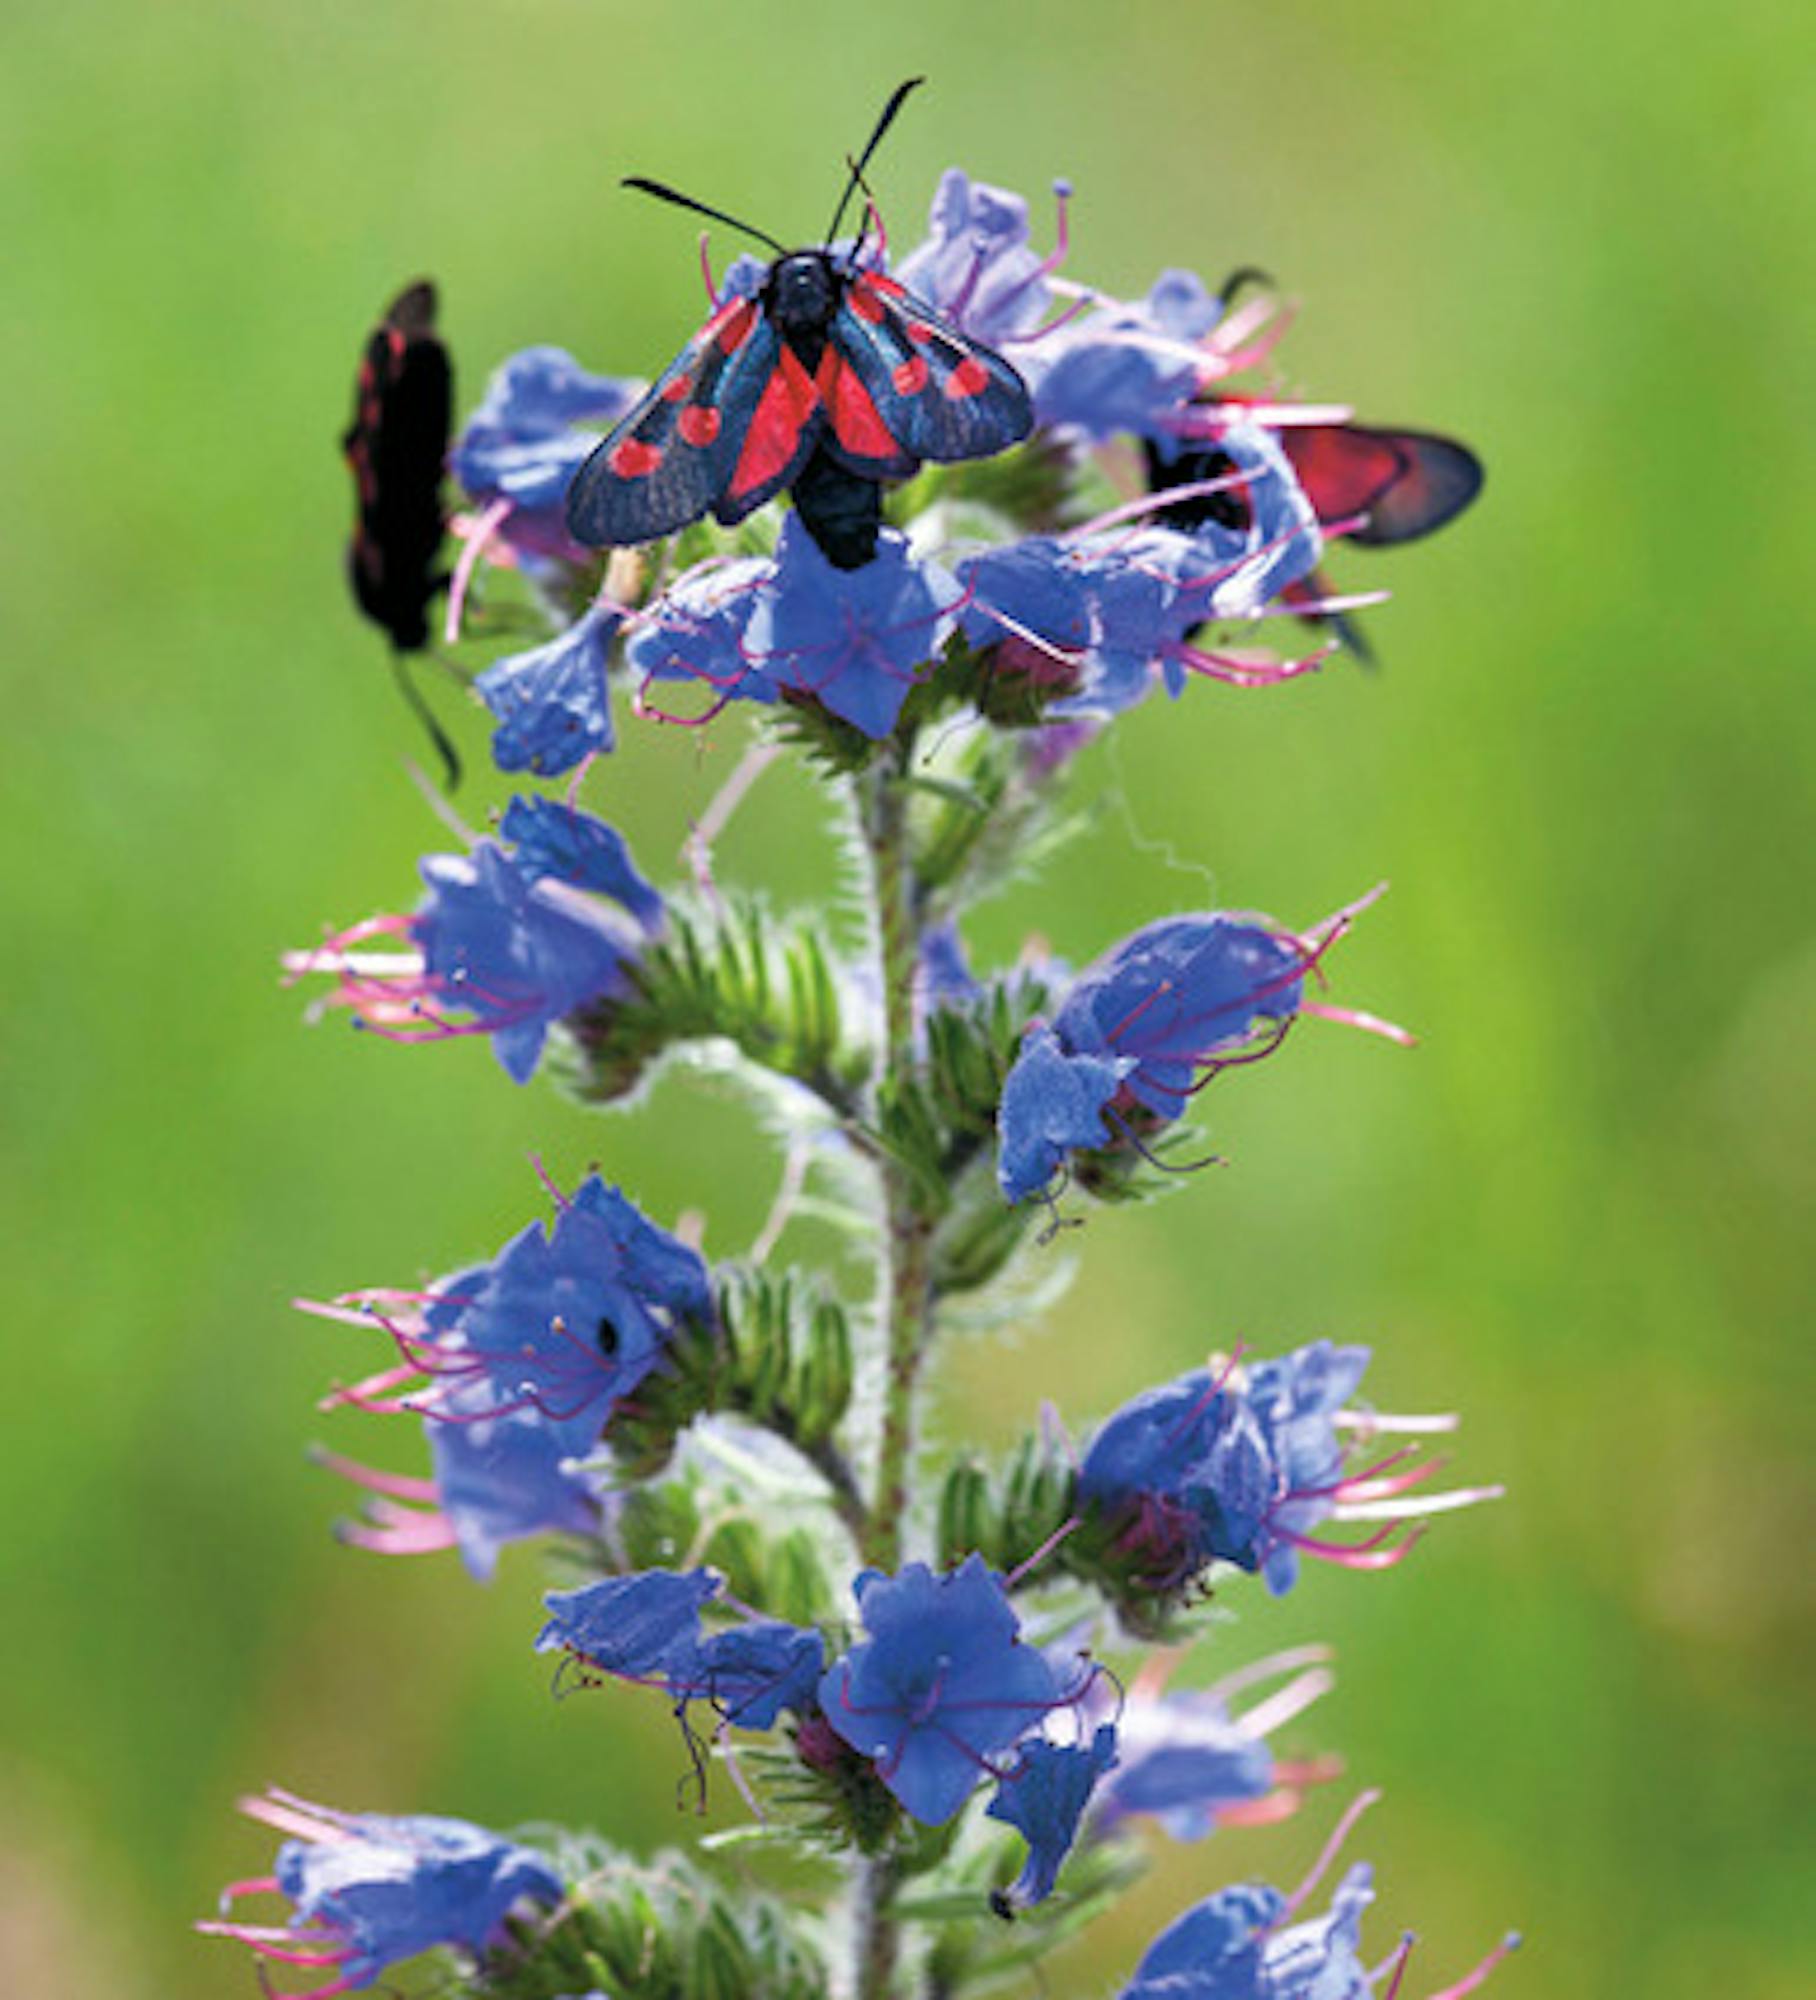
x,y
396,445
1372,487
830,381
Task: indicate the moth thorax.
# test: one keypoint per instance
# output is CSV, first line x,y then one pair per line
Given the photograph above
x,y
803,293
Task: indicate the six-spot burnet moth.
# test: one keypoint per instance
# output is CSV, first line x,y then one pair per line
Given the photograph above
x,y
830,381
1373,487
403,412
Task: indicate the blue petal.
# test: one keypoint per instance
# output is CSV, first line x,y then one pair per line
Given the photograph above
x,y
1052,1104
637,1625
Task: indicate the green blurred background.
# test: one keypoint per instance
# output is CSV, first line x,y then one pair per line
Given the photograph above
x,y
1572,234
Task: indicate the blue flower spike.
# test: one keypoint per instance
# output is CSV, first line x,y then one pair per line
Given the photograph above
x,y
368,1891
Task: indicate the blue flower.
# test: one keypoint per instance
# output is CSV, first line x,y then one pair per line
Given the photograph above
x,y
1137,1032
1188,1762
636,1626
975,267
565,1323
946,978
647,1627
942,1681
551,703
1237,1945
1193,1469
695,631
854,640
368,1891
1125,367
1044,1797
513,954
501,1479
581,850
1052,1104
1296,1399
522,446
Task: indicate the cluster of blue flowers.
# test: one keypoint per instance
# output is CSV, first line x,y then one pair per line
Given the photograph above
x,y
602,1383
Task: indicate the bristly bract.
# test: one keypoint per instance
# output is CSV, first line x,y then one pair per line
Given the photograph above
x,y
831,380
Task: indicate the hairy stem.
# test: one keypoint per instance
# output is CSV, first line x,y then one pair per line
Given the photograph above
x,y
906,1288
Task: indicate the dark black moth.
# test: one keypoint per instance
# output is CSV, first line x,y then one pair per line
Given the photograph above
x,y
1376,487
397,444
830,381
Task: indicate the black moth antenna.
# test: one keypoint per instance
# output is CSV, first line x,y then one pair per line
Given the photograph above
x,y
665,193
863,159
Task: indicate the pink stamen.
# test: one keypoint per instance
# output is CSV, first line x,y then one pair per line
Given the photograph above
x,y
264,1943
1288,1662
706,271
572,794
1378,1423
289,1814
1323,607
253,1885
550,1186
1370,1024
1075,310
1349,1485
425,1534
1040,1555
1418,1506
1168,496
1328,1853
482,532
1397,1963
1268,1810
697,850
1247,670
1292,1700
1368,1555
396,1485
1471,1980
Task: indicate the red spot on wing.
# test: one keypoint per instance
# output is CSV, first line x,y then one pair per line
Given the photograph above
x,y
918,331
856,422
1344,471
969,378
676,391
734,324
633,459
864,301
698,424
788,401
911,377
887,286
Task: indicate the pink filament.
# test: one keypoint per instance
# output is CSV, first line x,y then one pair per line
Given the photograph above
x,y
706,270
1247,670
1331,1849
1370,1554
1167,496
400,1535
1471,1980
289,1814
1370,1024
1040,1555
397,1485
478,535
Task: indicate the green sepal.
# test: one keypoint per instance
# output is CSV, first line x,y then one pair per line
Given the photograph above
x,y
1008,1515
738,975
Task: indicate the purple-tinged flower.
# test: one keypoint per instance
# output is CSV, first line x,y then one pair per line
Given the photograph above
x,y
1239,1944
695,631
1044,1796
1203,1471
368,1891
496,1480
541,417
1188,1762
942,1681
647,1628
635,1626
580,849
1126,366
1101,615
514,953
551,704
976,268
854,640
946,978
1143,1029
564,1323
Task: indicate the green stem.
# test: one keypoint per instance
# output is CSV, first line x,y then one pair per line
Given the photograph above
x,y
906,1289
